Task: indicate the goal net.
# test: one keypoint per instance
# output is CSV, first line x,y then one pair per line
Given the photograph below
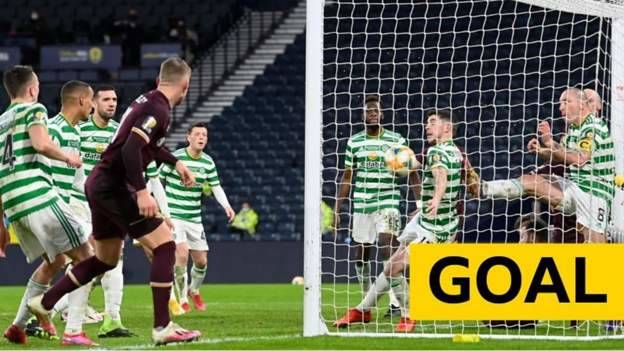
x,y
501,66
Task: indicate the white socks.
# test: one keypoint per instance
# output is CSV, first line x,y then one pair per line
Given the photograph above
x,y
503,189
399,287
362,272
32,289
112,284
77,308
197,278
181,283
377,290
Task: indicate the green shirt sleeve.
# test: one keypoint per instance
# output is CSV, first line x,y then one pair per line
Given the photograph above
x,y
348,162
36,115
437,158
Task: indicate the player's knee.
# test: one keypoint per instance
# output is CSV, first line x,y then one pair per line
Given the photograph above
x,y
200,262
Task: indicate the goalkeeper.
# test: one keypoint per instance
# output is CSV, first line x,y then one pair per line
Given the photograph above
x,y
437,223
587,149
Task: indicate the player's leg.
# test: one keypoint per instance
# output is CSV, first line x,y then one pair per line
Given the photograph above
x,y
388,224
361,313
113,284
58,231
180,270
592,213
198,274
181,275
38,283
364,234
160,241
413,233
538,185
199,255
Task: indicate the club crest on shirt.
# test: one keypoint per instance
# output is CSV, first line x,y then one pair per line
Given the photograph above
x,y
149,123
99,148
40,115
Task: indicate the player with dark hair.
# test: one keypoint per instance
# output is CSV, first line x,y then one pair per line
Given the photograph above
x,y
376,195
43,222
95,136
185,208
437,222
120,203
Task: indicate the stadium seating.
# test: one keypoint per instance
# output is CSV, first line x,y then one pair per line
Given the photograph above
x,y
258,146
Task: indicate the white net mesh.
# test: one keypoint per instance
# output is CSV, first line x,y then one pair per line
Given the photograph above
x,y
501,65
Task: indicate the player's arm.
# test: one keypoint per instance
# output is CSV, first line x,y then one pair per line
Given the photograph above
x,y
557,152
43,144
160,196
219,193
343,193
131,152
472,180
165,156
440,181
5,236
345,184
415,186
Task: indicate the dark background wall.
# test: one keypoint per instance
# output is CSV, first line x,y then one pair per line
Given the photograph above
x,y
228,262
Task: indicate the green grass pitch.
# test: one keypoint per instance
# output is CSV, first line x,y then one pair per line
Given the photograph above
x,y
259,317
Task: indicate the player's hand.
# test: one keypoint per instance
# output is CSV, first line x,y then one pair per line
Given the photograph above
x,y
5,238
533,145
432,208
229,212
73,160
188,178
169,223
544,133
146,203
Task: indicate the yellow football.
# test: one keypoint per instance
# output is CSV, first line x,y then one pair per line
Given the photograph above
x,y
400,160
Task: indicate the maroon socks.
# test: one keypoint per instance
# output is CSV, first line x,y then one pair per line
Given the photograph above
x,y
161,280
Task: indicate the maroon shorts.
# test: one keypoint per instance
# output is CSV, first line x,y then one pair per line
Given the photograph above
x,y
114,210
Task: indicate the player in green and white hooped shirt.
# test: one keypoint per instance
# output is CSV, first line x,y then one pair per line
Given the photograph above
x,y
437,222
376,195
95,136
588,151
185,208
77,104
43,223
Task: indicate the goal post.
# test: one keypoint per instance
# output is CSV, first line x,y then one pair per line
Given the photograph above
x,y
313,324
502,64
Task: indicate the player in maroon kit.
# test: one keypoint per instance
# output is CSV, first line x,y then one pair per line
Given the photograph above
x,y
120,203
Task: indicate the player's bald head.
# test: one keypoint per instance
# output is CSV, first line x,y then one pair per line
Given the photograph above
x,y
173,70
594,100
576,94
73,90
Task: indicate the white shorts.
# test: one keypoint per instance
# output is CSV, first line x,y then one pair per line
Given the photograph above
x,y
366,226
591,211
52,230
82,213
415,233
191,233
